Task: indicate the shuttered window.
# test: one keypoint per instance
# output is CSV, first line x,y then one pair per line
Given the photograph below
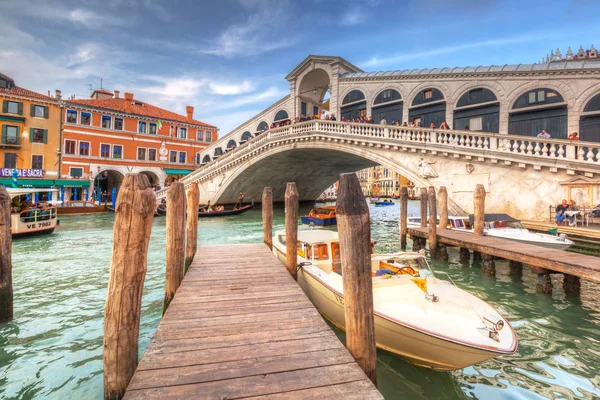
x,y
37,135
37,161
151,154
70,146
117,151
10,135
12,107
38,111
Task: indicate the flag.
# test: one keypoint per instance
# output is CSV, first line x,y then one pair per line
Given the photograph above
x,y
159,125
553,231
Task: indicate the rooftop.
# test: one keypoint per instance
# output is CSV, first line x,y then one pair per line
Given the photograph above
x,y
138,107
14,90
562,65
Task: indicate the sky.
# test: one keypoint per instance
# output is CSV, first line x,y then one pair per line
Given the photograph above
x,y
229,58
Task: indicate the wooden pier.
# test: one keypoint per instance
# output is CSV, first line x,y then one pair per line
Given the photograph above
x,y
239,326
582,266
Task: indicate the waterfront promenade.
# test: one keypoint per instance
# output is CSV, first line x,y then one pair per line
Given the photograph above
x,y
240,327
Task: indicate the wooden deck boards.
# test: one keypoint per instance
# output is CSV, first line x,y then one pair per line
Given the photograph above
x,y
240,327
583,266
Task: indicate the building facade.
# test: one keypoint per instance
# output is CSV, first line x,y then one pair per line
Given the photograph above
x,y
30,143
107,136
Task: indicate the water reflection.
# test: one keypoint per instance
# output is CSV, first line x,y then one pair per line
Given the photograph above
x,y
53,348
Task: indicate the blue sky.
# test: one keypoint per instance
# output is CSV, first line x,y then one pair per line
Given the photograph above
x,y
228,58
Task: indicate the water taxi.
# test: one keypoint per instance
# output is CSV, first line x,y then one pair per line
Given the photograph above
x,y
384,203
31,219
321,216
81,207
505,227
428,321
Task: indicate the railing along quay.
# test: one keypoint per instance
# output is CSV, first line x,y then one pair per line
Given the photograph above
x,y
223,335
498,148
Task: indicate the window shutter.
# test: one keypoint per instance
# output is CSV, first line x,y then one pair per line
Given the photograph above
x,y
20,112
30,135
5,106
4,131
32,110
45,135
46,112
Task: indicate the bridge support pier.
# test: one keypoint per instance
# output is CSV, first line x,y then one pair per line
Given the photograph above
x,y
516,268
543,283
488,266
442,252
476,256
571,284
465,254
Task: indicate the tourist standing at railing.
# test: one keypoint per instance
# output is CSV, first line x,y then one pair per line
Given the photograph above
x,y
574,137
444,125
383,121
544,134
332,117
432,125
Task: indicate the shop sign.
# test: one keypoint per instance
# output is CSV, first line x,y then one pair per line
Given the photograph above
x,y
22,173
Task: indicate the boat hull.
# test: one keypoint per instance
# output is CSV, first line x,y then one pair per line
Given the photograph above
x,y
225,213
319,221
81,210
39,232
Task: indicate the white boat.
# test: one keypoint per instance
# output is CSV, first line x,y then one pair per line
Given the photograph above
x,y
427,320
36,219
505,227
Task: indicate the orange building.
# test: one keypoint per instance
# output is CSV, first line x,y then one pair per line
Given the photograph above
x,y
30,142
107,136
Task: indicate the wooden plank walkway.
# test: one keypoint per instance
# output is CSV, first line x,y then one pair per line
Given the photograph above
x,y
241,327
583,266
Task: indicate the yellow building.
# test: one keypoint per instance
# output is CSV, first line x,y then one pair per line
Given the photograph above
x,y
30,141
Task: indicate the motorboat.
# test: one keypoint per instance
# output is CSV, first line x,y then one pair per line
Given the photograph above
x,y
426,320
30,219
384,203
506,227
321,216
373,200
81,207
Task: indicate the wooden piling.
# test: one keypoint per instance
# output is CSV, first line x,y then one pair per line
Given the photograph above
x,y
423,207
403,217
291,228
175,240
6,289
488,266
479,210
193,200
267,216
442,198
432,222
354,231
442,252
571,284
543,283
515,268
464,254
134,214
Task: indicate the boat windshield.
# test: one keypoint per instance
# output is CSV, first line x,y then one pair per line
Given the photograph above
x,y
313,251
461,223
504,224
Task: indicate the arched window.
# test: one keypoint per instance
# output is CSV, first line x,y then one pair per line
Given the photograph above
x,y
206,159
427,96
538,97
218,153
593,104
281,114
387,96
231,145
245,137
353,96
589,124
262,126
476,96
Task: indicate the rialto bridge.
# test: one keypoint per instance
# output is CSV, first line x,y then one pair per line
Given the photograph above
x,y
523,174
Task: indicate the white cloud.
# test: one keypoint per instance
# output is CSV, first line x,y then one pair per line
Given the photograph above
x,y
231,88
353,16
174,88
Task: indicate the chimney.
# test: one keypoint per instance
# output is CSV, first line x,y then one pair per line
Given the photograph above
x,y
58,94
128,102
190,113
116,94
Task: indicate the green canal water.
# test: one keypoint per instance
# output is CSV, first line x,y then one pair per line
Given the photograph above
x,y
53,348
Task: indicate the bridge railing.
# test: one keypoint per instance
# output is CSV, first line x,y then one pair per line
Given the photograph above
x,y
489,143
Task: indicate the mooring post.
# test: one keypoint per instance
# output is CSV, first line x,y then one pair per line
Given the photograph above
x,y
464,254
543,282
403,217
134,214
175,240
6,289
423,207
267,216
515,268
291,228
432,222
354,230
571,284
193,200
488,266
442,198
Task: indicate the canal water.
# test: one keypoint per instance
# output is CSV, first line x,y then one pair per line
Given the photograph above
x,y
53,348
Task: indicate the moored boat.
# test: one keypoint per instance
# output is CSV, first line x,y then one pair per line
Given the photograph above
x,y
384,203
321,216
235,211
427,320
31,219
506,227
81,207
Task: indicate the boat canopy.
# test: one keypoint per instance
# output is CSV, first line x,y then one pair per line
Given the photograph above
x,y
15,192
494,218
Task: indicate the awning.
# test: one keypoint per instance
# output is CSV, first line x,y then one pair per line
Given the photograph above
x,y
72,183
171,171
494,218
28,182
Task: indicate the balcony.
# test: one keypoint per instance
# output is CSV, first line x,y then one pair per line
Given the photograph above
x,y
9,140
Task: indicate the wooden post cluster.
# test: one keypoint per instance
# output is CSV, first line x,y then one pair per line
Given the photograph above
x,y
175,240
193,200
432,222
442,199
267,216
423,207
479,210
516,268
291,228
354,230
134,214
403,216
571,284
6,289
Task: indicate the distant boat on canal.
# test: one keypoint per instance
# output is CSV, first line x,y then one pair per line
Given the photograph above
x,y
204,213
38,218
321,216
384,203
81,207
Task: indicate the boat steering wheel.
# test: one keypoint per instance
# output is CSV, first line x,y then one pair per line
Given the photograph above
x,y
409,270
